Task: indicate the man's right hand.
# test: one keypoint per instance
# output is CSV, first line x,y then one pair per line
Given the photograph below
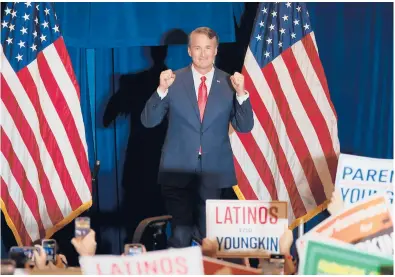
x,y
166,79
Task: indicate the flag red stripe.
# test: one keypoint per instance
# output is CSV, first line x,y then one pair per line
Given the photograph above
x,y
31,144
65,58
14,214
243,183
49,139
268,126
294,134
65,116
313,112
317,65
260,163
20,176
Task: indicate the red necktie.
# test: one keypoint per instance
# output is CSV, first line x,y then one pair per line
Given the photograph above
x,y
202,97
202,100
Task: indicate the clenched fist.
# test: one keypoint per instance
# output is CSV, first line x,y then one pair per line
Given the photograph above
x,y
238,83
166,79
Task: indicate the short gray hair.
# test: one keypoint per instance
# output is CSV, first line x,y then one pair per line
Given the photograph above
x,y
210,33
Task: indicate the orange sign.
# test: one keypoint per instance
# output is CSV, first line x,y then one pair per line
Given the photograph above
x,y
367,224
217,267
358,222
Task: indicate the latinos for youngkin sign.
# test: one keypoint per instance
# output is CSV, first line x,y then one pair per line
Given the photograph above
x,y
246,226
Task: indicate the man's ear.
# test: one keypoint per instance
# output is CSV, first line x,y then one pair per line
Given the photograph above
x,y
189,51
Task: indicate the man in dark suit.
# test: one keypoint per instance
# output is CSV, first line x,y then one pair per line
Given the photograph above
x,y
197,161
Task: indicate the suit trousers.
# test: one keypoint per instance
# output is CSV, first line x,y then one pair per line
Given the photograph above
x,y
187,206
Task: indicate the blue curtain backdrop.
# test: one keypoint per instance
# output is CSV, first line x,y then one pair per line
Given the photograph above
x,y
140,24
118,54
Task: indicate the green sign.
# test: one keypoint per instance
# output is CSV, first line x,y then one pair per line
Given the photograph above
x,y
332,258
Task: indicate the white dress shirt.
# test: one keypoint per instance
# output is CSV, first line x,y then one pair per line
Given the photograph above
x,y
209,80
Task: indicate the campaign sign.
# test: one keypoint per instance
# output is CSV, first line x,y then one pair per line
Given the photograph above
x,y
359,177
245,226
218,267
331,257
183,261
368,225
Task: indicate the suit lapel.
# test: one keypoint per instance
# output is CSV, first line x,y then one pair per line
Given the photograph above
x,y
190,89
213,101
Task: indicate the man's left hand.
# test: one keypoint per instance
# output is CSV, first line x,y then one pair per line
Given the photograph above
x,y
238,83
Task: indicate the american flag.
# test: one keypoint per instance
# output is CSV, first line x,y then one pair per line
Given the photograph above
x,y
291,154
45,175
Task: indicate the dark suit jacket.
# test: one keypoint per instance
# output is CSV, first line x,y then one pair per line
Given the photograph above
x,y
186,133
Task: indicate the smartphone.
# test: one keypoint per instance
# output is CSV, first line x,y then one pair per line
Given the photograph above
x,y
273,265
134,249
196,242
49,246
22,255
8,267
82,226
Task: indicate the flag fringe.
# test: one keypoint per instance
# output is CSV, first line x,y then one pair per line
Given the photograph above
x,y
298,221
238,192
50,232
74,214
309,215
11,224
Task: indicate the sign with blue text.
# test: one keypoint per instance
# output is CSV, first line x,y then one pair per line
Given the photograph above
x,y
246,226
360,177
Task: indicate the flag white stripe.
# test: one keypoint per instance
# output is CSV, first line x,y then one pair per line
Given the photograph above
x,y
60,135
317,91
266,95
304,124
248,168
27,162
31,117
65,84
264,145
16,195
315,43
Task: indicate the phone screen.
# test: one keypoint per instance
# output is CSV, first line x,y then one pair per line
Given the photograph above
x,y
133,250
195,243
50,249
82,226
274,265
22,255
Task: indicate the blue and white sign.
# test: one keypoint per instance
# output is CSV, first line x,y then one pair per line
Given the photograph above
x,y
246,226
359,177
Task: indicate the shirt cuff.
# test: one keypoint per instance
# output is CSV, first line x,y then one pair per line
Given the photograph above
x,y
162,94
242,98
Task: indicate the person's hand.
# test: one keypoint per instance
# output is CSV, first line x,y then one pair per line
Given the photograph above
x,y
238,83
40,258
166,79
286,241
247,262
336,205
51,266
209,247
85,246
61,261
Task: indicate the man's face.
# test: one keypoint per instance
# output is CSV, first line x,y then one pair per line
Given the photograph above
x,y
202,50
